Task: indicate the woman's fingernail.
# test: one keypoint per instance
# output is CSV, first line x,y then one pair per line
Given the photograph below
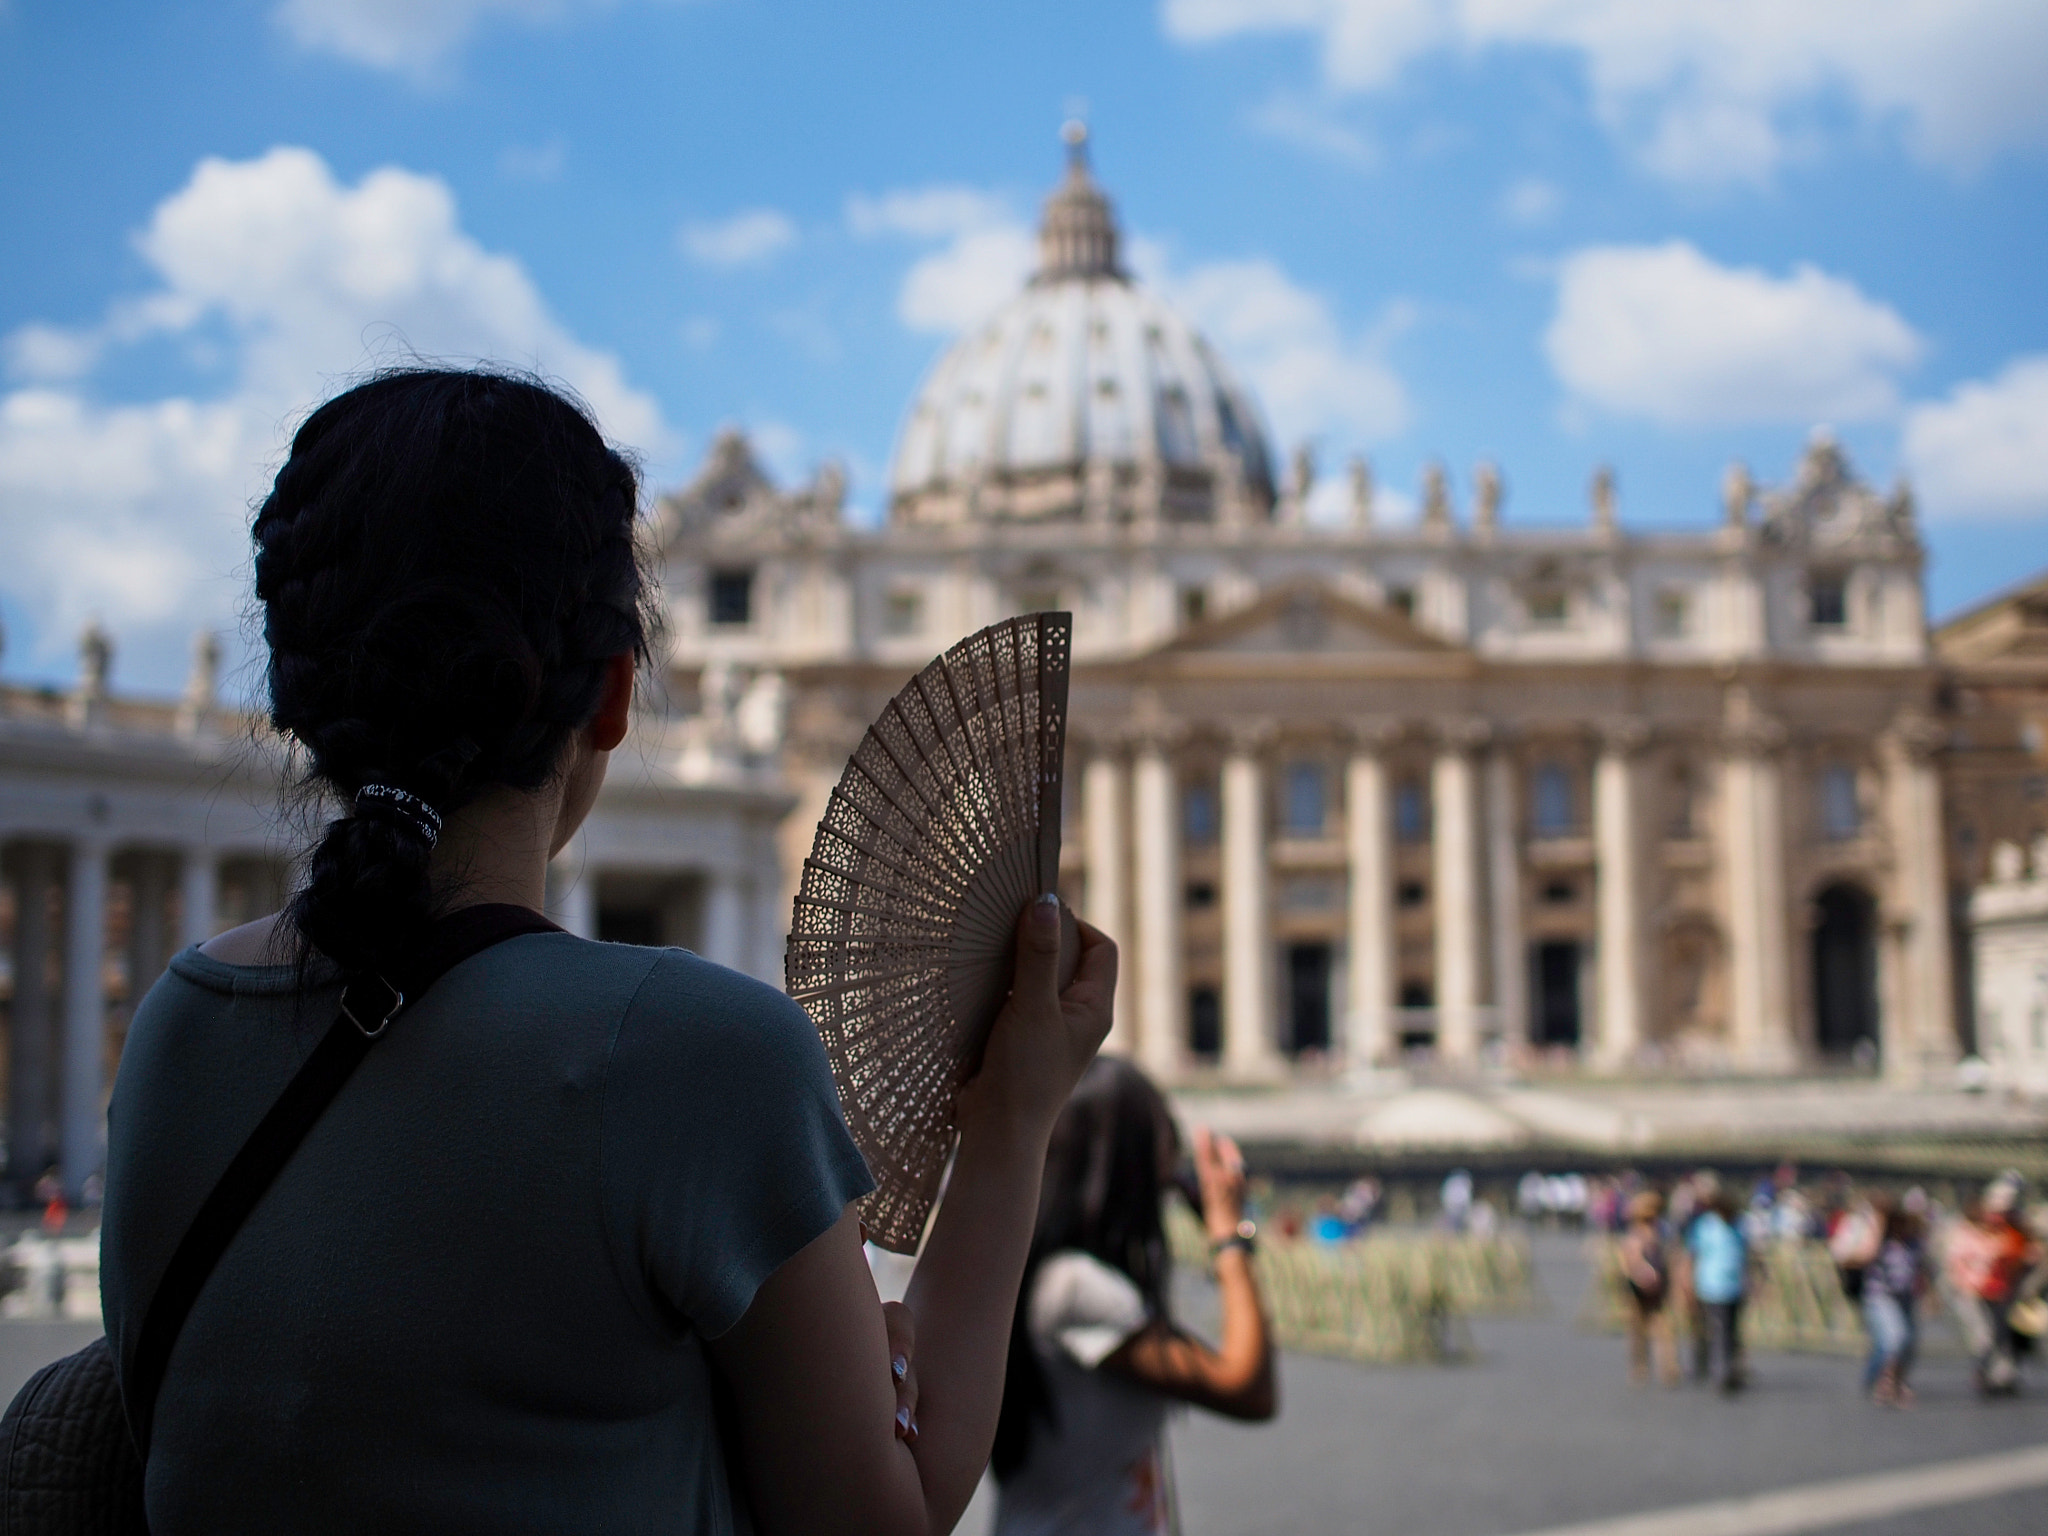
x,y
903,1421
1046,909
911,1435
899,1367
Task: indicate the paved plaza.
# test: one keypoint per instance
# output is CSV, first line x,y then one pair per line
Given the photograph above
x,y
1540,1432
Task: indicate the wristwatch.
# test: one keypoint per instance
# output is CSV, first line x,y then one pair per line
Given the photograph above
x,y
1246,1237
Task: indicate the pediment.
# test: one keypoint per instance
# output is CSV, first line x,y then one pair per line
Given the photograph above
x,y
1306,618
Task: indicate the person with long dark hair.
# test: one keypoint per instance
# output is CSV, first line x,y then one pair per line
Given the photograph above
x,y
573,1247
1096,1359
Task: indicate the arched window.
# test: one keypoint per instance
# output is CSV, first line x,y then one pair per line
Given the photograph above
x,y
1551,812
1304,800
1198,813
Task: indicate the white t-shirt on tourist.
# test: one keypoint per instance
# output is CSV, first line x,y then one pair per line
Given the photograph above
x,y
1098,1469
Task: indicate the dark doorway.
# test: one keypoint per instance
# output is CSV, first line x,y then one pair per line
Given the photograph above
x,y
1205,1023
1556,1015
1308,998
1844,970
1416,998
629,925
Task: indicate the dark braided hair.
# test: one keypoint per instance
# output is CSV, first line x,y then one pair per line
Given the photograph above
x,y
445,565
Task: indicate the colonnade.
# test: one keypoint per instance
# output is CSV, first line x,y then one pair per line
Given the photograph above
x,y
58,1035
1132,837
739,918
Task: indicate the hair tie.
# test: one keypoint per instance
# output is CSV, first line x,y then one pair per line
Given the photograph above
x,y
400,808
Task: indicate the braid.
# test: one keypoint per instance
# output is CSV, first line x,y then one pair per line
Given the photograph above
x,y
445,564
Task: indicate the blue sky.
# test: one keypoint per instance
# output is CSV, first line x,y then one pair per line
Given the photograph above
x,y
1658,234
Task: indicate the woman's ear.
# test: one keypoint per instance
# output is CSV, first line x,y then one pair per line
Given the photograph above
x,y
614,705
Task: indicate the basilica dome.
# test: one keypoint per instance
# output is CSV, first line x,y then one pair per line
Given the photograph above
x,y
1083,397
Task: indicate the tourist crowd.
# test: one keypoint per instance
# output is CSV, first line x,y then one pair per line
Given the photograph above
x,y
1691,1261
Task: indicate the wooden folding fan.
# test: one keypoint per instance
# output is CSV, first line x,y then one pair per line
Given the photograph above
x,y
944,826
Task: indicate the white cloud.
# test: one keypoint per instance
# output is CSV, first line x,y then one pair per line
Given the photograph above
x,y
952,288
533,162
138,511
1313,126
986,255
1710,90
1664,332
1531,201
418,38
926,213
750,238
1983,452
49,353
1314,380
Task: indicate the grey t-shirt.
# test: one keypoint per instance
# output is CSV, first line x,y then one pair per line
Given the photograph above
x,y
476,1298
1098,1468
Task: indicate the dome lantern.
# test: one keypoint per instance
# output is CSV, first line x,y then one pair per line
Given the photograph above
x,y
1077,233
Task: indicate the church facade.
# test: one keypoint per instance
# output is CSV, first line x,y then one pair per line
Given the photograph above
x,y
1613,799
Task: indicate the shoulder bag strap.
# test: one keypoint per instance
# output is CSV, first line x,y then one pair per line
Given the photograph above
x,y
368,1005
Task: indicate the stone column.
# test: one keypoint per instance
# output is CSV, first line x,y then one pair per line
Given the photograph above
x,y
85,1014
769,933
1249,1050
1368,836
1504,898
1106,902
1924,1038
1618,883
725,915
1759,918
32,1053
1159,963
1454,865
146,926
198,895
572,889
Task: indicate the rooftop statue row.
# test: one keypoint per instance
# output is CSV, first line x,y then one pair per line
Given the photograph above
x,y
1823,507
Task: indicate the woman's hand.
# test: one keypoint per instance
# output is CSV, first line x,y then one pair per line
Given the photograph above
x,y
901,1325
1220,1168
1044,1038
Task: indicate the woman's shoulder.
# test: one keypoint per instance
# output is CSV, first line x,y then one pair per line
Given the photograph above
x,y
723,1007
736,1045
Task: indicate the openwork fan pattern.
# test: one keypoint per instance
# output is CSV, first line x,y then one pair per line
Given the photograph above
x,y
944,825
